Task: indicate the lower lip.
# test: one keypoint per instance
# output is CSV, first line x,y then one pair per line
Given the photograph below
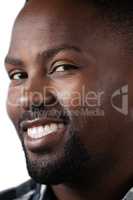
x,y
45,143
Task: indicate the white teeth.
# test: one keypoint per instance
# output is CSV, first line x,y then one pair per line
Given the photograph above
x,y
47,129
41,131
53,127
32,132
60,126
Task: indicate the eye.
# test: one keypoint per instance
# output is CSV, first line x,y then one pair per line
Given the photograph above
x,y
60,68
18,75
63,68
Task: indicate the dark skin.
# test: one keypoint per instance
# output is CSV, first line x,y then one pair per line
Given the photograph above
x,y
79,38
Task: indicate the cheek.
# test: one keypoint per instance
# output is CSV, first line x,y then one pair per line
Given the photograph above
x,y
69,92
73,92
13,103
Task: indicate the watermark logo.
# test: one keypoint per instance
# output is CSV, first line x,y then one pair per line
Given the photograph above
x,y
84,102
123,94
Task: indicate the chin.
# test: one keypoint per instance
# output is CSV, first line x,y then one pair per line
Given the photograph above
x,y
58,167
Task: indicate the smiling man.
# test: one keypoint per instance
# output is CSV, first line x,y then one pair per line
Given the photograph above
x,y
66,61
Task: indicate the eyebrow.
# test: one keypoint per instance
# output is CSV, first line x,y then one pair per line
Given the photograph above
x,y
13,61
46,54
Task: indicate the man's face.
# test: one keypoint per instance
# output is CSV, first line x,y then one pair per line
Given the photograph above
x,y
65,64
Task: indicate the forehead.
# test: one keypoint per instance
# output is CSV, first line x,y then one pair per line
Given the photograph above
x,y
42,16
44,22
43,25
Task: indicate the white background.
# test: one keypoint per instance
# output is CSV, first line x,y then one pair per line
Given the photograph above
x,y
12,163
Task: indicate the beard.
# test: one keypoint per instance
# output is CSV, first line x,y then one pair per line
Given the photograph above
x,y
60,167
65,164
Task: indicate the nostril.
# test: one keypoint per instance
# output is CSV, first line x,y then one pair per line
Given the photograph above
x,y
37,100
50,99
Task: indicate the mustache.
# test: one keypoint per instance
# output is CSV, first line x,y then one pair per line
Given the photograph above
x,y
36,112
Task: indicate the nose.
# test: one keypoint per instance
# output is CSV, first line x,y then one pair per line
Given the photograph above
x,y
36,93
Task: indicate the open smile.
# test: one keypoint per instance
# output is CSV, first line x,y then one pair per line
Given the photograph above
x,y
43,133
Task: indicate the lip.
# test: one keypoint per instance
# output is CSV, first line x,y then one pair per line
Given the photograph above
x,y
39,122
45,143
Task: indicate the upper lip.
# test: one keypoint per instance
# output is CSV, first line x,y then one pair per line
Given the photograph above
x,y
39,122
